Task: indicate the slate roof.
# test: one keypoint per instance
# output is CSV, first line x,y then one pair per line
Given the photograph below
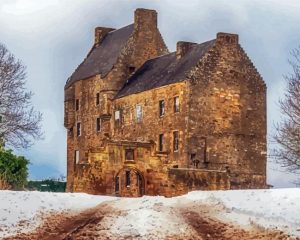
x,y
101,59
164,70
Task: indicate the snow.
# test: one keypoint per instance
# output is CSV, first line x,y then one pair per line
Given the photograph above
x,y
272,208
27,206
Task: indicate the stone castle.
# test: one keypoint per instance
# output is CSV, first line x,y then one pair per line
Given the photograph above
x,y
143,121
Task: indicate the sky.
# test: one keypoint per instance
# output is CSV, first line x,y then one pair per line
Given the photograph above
x,y
53,37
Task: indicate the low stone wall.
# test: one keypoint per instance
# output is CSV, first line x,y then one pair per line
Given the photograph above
x,y
247,181
183,180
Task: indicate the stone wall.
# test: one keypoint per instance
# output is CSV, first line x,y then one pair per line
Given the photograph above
x,y
227,118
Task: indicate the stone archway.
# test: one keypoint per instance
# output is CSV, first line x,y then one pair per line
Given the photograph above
x,y
129,182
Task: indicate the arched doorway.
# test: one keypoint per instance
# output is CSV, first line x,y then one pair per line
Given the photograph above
x,y
129,182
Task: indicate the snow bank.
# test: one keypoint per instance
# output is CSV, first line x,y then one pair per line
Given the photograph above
x,y
272,208
26,207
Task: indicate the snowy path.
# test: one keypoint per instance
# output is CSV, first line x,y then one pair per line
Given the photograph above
x,y
197,215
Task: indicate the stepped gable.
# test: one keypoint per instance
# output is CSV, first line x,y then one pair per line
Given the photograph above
x,y
101,58
164,70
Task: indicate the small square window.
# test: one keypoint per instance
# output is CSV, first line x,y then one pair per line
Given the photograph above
x,y
98,124
175,141
129,154
78,129
176,104
77,104
131,70
161,108
97,99
139,113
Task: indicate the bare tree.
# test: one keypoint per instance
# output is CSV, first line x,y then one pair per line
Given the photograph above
x,y
288,130
19,122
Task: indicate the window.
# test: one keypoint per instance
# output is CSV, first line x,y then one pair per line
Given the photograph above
x,y
76,156
161,143
175,141
77,104
78,129
117,118
98,124
97,99
161,108
176,104
129,154
127,178
139,113
131,70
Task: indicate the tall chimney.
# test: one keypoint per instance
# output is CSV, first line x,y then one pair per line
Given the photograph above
x,y
145,18
100,33
182,48
227,38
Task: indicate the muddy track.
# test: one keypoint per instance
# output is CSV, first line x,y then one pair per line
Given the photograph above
x,y
92,224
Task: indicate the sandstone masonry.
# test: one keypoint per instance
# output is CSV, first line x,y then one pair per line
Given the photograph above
x,y
141,120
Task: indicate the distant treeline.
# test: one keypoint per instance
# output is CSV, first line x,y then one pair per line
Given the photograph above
x,y
48,185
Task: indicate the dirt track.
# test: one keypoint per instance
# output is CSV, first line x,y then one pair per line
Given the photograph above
x,y
90,224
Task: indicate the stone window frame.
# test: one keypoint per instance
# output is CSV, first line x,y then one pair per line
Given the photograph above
x,y
97,99
77,104
176,107
176,139
138,114
78,129
161,142
161,108
98,124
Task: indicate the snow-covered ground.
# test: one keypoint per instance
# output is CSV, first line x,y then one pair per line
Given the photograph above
x,y
26,208
274,208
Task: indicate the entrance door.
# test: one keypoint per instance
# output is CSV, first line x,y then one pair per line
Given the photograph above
x,y
129,183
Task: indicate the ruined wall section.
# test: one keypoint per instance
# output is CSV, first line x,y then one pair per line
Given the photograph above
x,y
227,114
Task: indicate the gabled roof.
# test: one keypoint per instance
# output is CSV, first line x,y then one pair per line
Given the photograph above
x,y
164,70
101,59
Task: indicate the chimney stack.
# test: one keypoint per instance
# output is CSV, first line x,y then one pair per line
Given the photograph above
x,y
145,18
182,48
100,33
227,38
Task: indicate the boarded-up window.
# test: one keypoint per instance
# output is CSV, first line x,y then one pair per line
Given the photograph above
x,y
78,129
139,113
175,141
161,108
98,124
161,143
176,104
129,154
